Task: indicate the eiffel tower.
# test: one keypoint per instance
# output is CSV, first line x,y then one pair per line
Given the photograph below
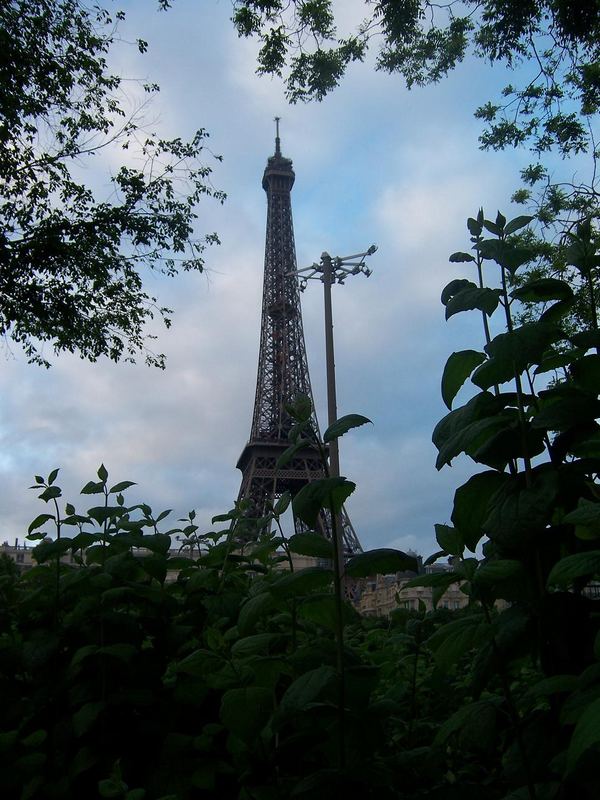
x,y
282,365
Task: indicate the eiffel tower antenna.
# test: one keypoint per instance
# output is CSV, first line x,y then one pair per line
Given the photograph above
x,y
282,364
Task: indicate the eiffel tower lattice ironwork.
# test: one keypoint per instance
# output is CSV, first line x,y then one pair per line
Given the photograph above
x,y
282,365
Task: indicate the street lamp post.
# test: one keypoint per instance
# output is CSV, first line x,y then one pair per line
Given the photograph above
x,y
329,271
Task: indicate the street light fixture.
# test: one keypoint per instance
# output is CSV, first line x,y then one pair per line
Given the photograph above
x,y
329,271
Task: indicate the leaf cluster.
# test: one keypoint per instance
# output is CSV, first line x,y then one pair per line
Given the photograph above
x,y
70,262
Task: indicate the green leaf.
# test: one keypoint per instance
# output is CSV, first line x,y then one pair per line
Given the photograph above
x,y
322,493
110,787
39,521
458,368
252,610
321,610
556,312
122,651
35,739
51,493
93,488
563,412
282,504
471,298
460,257
434,579
258,644
456,639
52,476
491,572
246,711
492,227
86,716
120,487
516,224
508,255
383,561
302,581
517,512
470,715
455,286
306,689
343,425
311,544
586,513
102,473
586,373
580,565
449,434
510,353
586,339
471,505
543,290
585,735
287,455
450,540
301,408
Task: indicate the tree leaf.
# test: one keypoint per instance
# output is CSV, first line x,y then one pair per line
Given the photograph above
x,y
471,298
490,572
93,488
383,561
50,493
53,475
120,487
450,540
321,493
321,610
456,639
580,565
458,368
287,455
302,581
542,290
516,224
455,286
586,373
311,544
343,425
301,408
39,521
510,353
471,502
585,735
306,689
282,504
246,711
460,257
256,644
518,512
102,473
252,610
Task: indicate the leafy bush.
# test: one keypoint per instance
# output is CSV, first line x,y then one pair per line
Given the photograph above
x,y
128,672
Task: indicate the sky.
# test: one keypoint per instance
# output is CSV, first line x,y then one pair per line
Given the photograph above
x,y
374,163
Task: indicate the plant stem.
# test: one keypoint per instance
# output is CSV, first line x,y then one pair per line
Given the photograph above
x,y
339,639
518,384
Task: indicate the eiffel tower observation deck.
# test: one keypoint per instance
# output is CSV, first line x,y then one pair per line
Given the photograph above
x,y
282,364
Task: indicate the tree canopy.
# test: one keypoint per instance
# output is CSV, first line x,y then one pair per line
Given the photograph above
x,y
554,43
71,264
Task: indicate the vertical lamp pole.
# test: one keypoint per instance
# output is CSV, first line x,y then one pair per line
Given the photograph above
x,y
329,271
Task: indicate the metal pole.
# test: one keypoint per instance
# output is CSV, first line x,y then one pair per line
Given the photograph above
x,y
334,453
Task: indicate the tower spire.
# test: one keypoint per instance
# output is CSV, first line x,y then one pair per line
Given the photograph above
x,y
282,365
277,139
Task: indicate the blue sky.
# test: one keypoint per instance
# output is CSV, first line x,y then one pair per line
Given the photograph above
x,y
374,163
